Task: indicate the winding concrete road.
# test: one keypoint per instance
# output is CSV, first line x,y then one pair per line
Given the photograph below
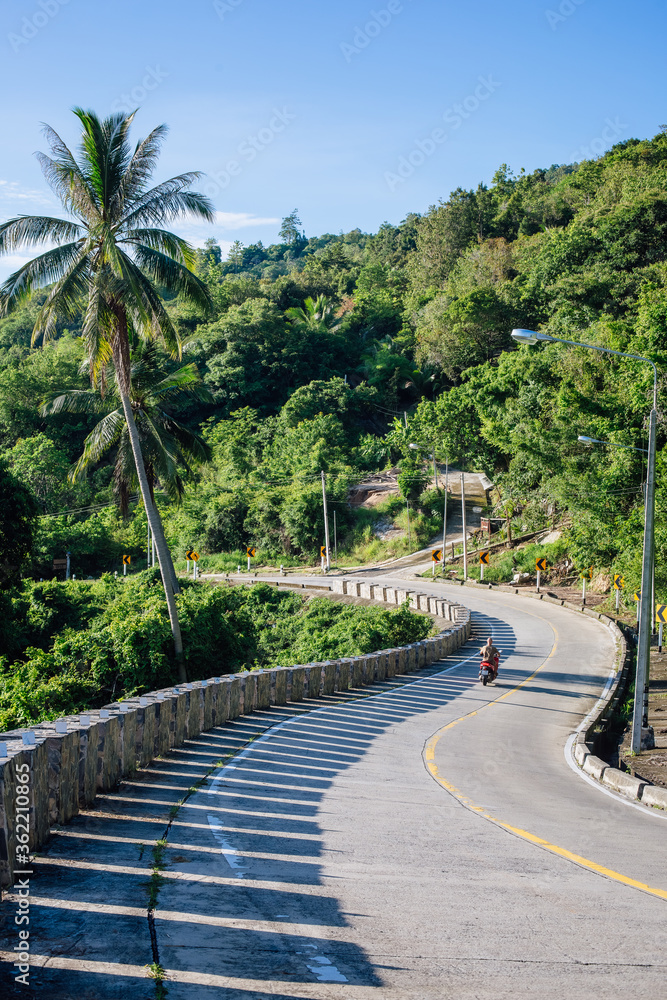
x,y
426,842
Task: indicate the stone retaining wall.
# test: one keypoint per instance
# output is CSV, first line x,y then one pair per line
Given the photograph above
x,y
70,760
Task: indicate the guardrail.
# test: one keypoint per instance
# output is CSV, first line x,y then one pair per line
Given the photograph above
x,y
48,772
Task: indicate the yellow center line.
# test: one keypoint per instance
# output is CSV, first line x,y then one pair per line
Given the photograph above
x,y
531,838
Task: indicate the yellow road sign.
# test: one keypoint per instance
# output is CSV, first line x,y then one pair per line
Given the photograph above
x,y
484,558
188,555
127,560
661,613
436,555
541,564
194,556
619,582
637,596
587,574
323,551
251,551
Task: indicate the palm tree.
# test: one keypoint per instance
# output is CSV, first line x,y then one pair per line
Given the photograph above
x,y
315,315
168,446
109,258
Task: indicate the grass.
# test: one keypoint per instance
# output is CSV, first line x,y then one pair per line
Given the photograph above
x,y
228,562
505,564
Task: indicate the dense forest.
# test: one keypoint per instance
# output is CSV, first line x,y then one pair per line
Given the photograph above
x,y
334,352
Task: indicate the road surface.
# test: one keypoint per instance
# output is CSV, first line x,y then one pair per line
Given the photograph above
x,y
425,842
361,850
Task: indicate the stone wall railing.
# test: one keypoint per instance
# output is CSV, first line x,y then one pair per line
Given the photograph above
x,y
52,770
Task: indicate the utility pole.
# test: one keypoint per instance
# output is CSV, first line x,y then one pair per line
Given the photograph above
x,y
444,519
326,520
465,539
407,507
640,716
335,540
435,469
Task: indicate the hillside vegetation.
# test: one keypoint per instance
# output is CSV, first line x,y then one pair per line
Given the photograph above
x,y
319,351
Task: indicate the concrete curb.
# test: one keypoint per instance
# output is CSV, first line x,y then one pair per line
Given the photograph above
x,y
585,738
51,770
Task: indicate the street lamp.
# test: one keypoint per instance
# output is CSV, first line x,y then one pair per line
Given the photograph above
x,y
418,447
640,715
611,444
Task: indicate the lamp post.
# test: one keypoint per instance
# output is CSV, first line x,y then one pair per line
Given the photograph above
x,y
417,447
611,444
640,715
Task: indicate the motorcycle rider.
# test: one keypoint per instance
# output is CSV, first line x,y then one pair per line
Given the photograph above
x,y
490,654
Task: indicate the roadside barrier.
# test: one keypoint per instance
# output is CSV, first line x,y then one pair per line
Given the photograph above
x,y
48,772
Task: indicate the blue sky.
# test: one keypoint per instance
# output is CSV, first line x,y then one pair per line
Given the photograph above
x,y
355,112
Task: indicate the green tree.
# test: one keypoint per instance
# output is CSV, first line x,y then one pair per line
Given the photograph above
x,y
290,232
168,446
315,315
18,513
112,254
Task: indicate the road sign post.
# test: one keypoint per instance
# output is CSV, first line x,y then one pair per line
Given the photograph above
x,y
463,518
619,583
326,522
194,556
661,617
540,566
483,561
436,556
126,562
250,551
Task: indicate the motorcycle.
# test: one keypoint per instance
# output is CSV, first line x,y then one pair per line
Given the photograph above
x,y
488,671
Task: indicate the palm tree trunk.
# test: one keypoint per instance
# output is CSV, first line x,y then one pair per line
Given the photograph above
x,y
121,363
160,537
176,587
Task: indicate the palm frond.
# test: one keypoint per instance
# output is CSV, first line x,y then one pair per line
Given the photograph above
x,y
31,230
42,270
172,275
191,445
106,153
65,177
74,401
139,169
170,200
164,242
146,307
102,437
96,332
184,381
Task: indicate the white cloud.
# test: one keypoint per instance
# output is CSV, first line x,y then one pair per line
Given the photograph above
x,y
241,220
12,191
